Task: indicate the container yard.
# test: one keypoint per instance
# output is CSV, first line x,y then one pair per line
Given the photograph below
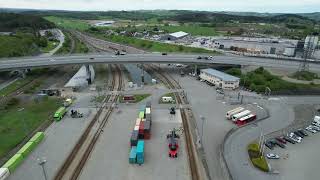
x,y
119,151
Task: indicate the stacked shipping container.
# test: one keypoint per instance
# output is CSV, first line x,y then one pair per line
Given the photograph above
x,y
141,132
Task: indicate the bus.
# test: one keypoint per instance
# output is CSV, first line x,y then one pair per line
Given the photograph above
x,y
234,111
235,117
58,115
244,120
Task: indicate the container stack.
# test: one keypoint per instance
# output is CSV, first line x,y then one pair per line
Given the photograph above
x,y
141,132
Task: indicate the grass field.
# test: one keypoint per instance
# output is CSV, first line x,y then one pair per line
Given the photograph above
x,y
79,47
68,23
12,128
51,45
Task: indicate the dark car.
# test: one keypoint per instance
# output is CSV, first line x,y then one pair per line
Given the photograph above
x,y
280,144
199,57
206,58
303,132
280,139
172,110
269,145
91,58
164,54
298,134
288,139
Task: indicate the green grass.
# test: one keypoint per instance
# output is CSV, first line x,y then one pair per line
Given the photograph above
x,y
259,79
305,75
151,45
137,97
257,159
14,86
19,45
68,23
51,45
12,129
168,95
80,47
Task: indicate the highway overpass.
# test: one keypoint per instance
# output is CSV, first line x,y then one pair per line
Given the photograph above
x,y
31,62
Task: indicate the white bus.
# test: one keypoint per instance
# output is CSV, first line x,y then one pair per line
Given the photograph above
x,y
234,111
235,117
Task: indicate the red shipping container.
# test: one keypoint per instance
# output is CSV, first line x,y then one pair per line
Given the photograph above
x,y
147,135
141,127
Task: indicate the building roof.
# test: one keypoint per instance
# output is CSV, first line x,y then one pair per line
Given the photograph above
x,y
223,76
179,34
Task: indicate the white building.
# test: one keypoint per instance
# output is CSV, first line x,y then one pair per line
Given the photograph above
x,y
174,36
220,79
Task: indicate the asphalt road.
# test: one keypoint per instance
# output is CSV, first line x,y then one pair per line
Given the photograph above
x,y
16,63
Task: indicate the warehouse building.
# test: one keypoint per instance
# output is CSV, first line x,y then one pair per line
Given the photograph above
x,y
258,45
174,36
219,79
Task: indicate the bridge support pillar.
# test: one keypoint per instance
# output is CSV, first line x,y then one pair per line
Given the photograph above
x,y
88,74
142,74
195,69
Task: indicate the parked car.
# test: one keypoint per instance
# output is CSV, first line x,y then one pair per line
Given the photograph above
x,y
315,128
298,134
288,139
296,138
280,144
280,139
272,156
315,124
310,129
269,145
303,132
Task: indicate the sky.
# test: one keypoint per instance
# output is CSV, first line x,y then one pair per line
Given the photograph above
x,y
271,6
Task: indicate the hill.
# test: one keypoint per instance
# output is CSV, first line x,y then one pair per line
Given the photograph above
x,y
12,22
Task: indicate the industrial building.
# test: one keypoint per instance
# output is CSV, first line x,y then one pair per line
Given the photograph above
x,y
219,79
174,36
258,45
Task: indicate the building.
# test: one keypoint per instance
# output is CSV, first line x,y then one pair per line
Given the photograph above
x,y
258,45
174,36
219,79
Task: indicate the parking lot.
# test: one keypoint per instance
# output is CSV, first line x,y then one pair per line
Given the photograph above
x,y
110,157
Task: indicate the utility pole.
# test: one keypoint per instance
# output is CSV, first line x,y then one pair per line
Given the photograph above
x,y
23,121
202,120
42,163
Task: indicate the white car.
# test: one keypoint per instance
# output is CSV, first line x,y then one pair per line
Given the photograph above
x,y
315,128
272,156
295,137
310,129
316,124
210,57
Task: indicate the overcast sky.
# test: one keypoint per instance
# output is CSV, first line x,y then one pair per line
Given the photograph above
x,y
282,6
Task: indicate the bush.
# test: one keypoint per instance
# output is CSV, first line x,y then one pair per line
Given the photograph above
x,y
234,72
13,102
257,159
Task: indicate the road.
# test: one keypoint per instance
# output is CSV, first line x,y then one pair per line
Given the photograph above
x,y
16,63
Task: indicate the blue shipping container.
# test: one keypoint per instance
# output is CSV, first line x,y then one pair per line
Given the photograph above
x,y
140,152
133,155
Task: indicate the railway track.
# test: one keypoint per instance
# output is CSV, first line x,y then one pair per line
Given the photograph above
x,y
74,163
171,83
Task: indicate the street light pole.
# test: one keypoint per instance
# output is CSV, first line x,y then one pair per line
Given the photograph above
x,y
23,122
202,120
42,163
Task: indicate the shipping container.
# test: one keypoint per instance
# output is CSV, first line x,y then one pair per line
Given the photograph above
x,y
133,155
138,121
128,98
143,120
27,149
136,128
148,110
148,117
140,152
4,173
134,138
13,162
37,138
141,114
147,130
141,130
148,104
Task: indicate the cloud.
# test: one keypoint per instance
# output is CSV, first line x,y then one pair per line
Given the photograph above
x,y
286,6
